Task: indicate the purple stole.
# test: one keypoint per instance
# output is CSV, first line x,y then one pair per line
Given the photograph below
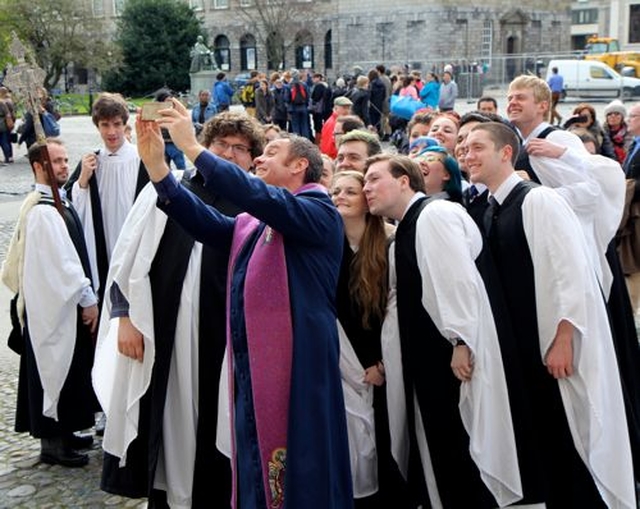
x,y
270,346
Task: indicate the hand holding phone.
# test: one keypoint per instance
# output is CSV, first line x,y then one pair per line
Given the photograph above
x,y
150,110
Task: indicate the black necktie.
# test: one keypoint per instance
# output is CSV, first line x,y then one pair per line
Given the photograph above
x,y
490,215
472,193
201,116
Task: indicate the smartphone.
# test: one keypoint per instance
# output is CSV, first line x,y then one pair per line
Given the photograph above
x,y
150,110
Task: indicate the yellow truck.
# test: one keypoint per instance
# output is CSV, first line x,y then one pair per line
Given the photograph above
x,y
607,50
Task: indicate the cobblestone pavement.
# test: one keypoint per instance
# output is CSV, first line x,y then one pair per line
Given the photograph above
x,y
24,481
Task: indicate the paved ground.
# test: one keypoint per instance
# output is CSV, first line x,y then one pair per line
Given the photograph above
x,y
24,482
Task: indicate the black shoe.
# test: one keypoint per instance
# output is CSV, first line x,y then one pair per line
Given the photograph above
x,y
78,442
54,452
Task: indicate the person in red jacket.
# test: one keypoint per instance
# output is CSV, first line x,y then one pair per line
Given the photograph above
x,y
341,106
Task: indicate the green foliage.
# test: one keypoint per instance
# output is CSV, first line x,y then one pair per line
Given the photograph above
x,y
60,33
155,37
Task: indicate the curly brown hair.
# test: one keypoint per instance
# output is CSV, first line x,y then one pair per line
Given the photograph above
x,y
230,123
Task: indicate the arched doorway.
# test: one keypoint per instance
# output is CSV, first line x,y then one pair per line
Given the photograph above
x,y
222,52
248,57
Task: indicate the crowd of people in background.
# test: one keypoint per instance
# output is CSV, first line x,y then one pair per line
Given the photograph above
x,y
333,303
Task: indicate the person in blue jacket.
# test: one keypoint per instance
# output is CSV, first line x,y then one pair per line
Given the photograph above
x,y
430,92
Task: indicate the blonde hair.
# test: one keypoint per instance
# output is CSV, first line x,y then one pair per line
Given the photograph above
x,y
539,87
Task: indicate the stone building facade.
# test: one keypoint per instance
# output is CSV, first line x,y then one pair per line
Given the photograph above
x,y
332,36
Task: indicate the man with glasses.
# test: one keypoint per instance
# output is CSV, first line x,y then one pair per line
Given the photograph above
x,y
354,148
179,334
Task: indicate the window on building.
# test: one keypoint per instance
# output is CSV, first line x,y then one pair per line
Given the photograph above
x,y
304,50
220,4
634,23
197,5
98,8
222,52
384,32
248,56
118,7
275,51
328,50
584,16
245,3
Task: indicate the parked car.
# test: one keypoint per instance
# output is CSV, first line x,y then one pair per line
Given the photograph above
x,y
591,78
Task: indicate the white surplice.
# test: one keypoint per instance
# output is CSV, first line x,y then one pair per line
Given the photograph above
x,y
117,177
53,284
120,382
453,293
567,289
594,188
358,400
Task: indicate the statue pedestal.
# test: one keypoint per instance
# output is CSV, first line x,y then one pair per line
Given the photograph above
x,y
202,80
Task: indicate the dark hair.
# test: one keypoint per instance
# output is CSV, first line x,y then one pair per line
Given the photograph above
x,y
381,69
487,99
162,95
501,135
589,108
108,106
350,123
420,118
34,153
400,165
373,74
231,123
301,148
372,141
220,76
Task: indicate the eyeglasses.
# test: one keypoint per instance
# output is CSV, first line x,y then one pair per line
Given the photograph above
x,y
223,146
431,158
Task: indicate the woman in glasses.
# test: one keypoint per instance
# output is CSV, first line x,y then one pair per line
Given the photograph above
x,y
441,173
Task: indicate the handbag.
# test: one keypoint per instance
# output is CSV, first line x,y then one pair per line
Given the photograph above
x,y
10,122
405,106
49,124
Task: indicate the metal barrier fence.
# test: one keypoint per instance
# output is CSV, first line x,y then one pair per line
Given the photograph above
x,y
473,75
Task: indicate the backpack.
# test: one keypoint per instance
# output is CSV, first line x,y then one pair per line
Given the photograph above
x,y
248,94
298,95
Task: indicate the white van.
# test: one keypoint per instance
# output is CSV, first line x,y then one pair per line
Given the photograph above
x,y
590,78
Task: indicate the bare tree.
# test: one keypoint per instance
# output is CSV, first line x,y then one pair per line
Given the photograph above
x,y
60,32
275,23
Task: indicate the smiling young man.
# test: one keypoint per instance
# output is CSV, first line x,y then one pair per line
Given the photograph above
x,y
448,341
282,342
48,268
173,453
561,328
353,149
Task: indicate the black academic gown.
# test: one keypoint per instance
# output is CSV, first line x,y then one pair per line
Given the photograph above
x,y
167,275
427,373
98,225
77,402
623,329
366,343
569,482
